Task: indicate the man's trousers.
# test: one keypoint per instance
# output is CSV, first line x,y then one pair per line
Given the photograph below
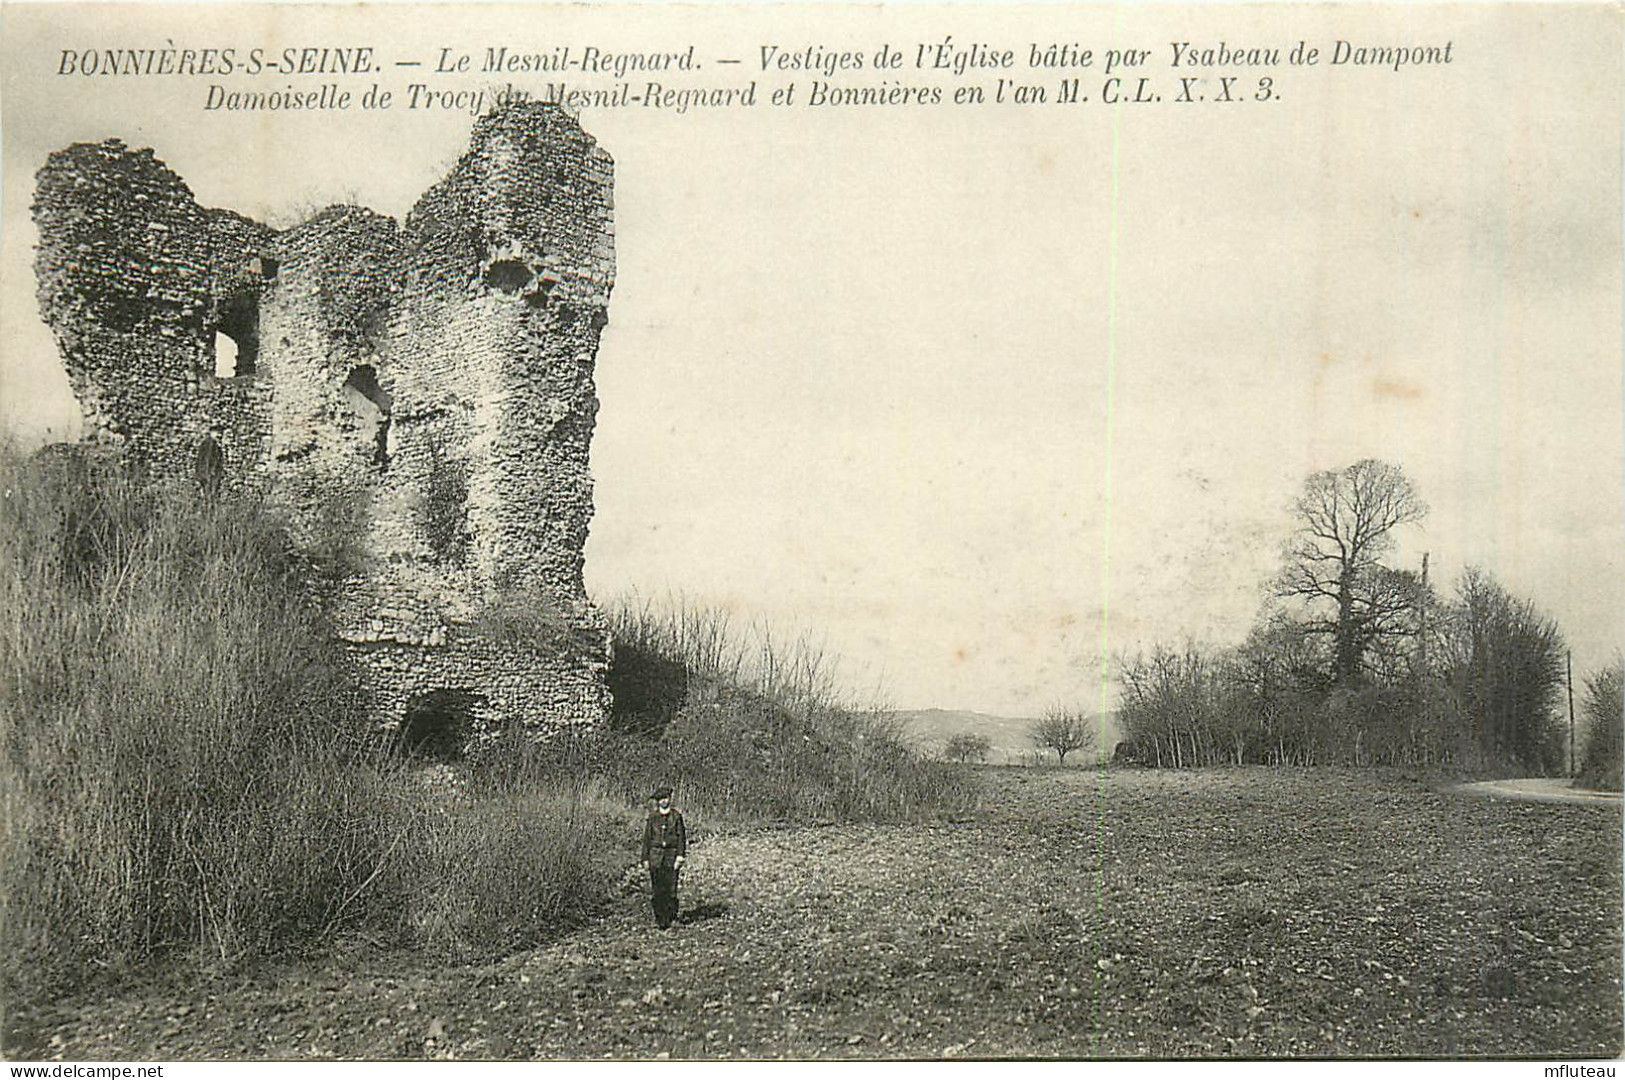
x,y
663,879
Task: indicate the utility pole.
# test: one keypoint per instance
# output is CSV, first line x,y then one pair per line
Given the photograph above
x,y
1419,682
1568,667
1422,635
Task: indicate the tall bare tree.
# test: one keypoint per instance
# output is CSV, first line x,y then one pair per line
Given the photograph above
x,y
1347,519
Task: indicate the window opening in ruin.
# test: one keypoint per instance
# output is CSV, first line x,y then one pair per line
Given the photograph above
x,y
437,725
538,297
507,276
269,267
210,466
371,405
237,337
225,356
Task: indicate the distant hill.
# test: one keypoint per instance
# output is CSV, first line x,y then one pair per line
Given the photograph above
x,y
1010,735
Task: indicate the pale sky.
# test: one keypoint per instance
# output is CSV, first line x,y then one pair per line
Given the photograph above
x,y
964,387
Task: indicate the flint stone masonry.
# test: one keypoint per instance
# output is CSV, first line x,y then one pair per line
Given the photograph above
x,y
424,388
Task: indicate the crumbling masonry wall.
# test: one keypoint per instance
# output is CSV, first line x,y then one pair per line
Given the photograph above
x,y
424,388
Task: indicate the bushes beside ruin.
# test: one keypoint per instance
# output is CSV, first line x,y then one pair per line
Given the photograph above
x,y
754,726
184,775
509,857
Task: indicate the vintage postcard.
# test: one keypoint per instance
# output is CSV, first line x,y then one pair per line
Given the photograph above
x,y
886,532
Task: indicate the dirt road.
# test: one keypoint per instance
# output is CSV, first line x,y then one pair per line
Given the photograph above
x,y
1539,789
1246,913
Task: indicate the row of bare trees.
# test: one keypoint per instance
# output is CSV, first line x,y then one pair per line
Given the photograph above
x,y
1357,661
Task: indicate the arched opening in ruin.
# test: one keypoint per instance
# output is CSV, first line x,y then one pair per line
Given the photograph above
x,y
507,276
209,467
371,405
237,337
437,725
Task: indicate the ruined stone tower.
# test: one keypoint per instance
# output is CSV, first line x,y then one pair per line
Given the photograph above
x,y
425,389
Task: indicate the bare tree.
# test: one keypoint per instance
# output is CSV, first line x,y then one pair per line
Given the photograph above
x,y
1063,731
1346,524
967,747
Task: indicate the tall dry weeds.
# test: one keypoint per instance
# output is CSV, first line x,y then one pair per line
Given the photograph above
x,y
178,769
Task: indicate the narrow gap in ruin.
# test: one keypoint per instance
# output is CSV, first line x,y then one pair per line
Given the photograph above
x,y
507,276
371,404
209,468
437,725
269,267
237,337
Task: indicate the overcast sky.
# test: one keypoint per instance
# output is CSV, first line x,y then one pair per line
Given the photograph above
x,y
975,391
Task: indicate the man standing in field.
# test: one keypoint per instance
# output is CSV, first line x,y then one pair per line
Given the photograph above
x,y
665,846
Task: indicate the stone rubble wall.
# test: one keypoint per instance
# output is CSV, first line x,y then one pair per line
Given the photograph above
x,y
425,388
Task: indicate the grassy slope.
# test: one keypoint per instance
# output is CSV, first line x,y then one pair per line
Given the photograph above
x,y
1226,913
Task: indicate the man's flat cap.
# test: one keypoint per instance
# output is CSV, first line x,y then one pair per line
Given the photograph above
x,y
662,792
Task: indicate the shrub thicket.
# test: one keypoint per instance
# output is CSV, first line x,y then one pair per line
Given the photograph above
x,y
1605,721
516,851
753,725
184,770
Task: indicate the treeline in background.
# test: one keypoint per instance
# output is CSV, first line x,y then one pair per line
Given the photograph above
x,y
1357,661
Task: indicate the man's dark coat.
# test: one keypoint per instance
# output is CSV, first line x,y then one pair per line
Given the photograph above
x,y
665,839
